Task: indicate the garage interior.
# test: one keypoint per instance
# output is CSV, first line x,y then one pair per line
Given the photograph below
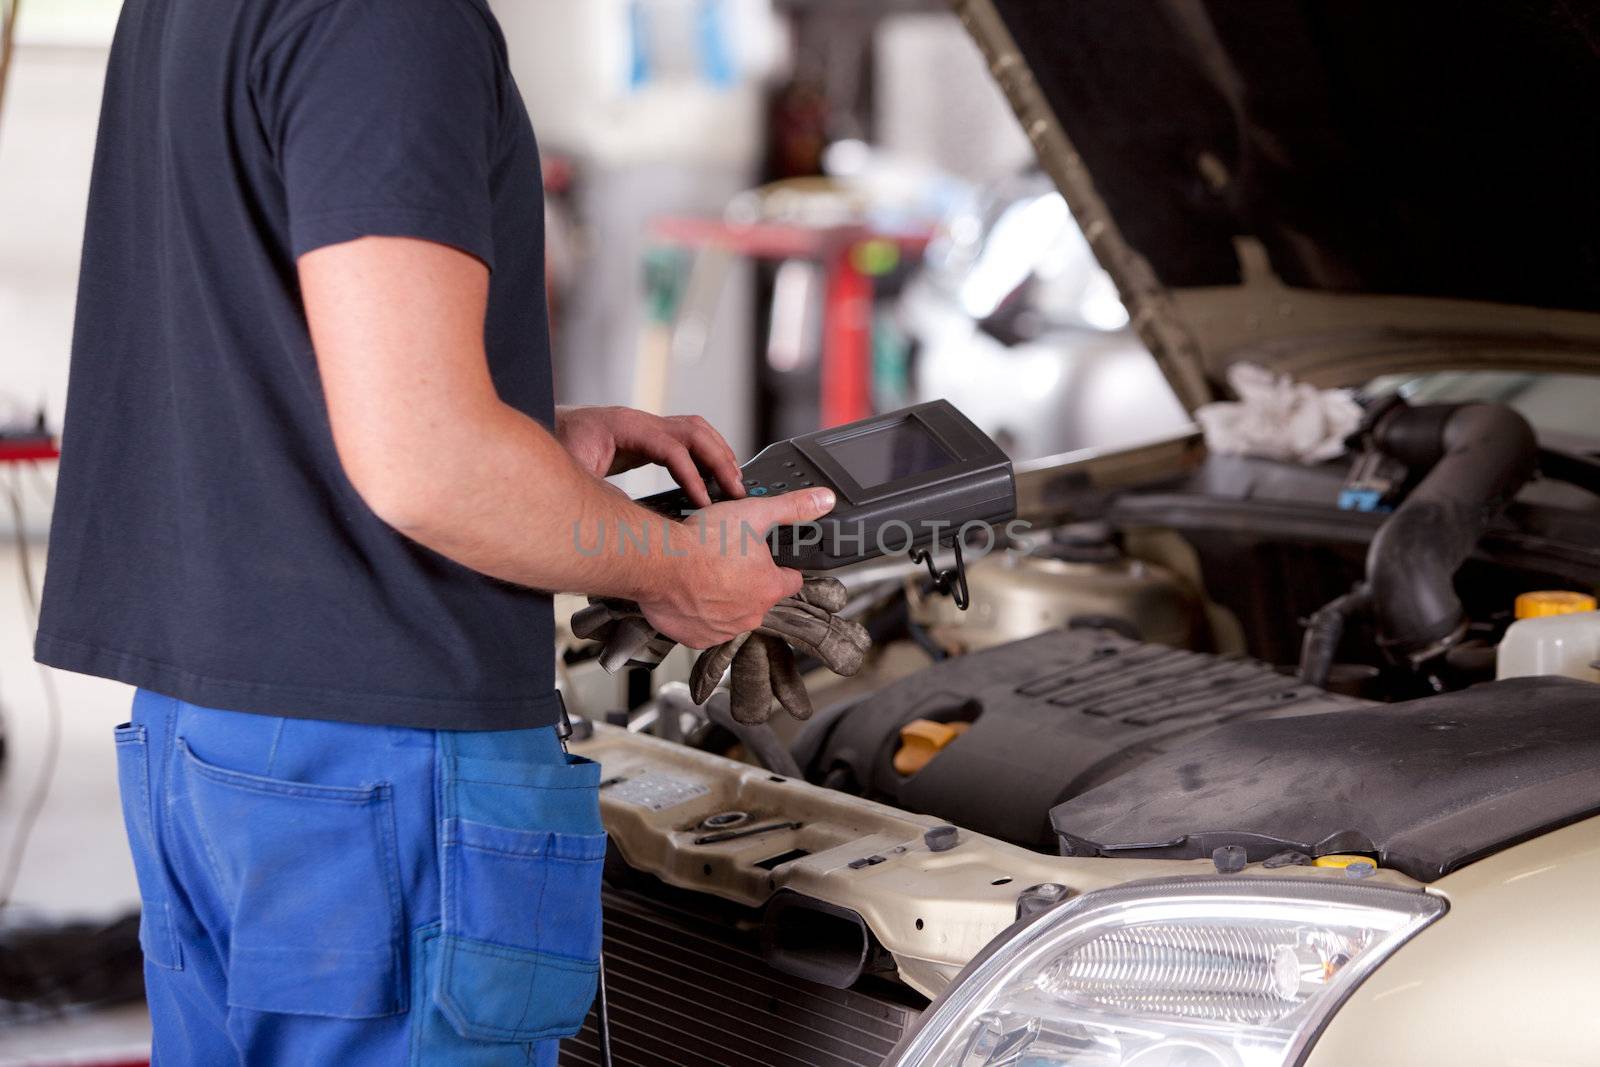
x,y
1285,330
642,167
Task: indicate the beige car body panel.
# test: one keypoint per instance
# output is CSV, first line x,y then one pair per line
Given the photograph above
x,y
1505,978
933,911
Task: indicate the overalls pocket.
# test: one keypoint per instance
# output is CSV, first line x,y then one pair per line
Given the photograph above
x,y
310,876
522,849
157,935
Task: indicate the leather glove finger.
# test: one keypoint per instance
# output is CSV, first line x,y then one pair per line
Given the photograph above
x,y
814,606
709,667
627,641
841,644
590,623
624,635
786,683
751,684
794,620
829,594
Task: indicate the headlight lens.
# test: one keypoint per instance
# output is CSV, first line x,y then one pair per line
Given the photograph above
x,y
1237,972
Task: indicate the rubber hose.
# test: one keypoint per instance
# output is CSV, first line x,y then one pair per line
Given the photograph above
x,y
759,739
1477,456
1324,630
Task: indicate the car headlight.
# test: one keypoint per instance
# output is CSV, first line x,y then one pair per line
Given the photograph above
x,y
1235,972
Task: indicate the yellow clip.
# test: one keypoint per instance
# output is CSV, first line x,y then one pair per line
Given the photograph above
x,y
923,739
1342,861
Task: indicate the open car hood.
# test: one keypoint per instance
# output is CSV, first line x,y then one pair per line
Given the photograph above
x,y
1333,190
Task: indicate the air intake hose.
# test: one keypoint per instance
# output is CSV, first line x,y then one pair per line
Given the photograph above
x,y
1477,456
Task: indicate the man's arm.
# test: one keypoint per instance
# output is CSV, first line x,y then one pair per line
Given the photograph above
x,y
397,324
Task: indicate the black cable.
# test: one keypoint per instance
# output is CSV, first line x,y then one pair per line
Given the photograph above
x,y
1571,468
52,753
603,1019
1325,629
924,640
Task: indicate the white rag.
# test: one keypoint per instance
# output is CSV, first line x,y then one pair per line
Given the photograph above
x,y
1277,417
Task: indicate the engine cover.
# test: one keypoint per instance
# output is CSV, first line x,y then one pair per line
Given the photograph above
x,y
1052,716
1425,786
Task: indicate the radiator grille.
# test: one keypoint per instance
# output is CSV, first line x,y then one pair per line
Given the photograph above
x,y
688,988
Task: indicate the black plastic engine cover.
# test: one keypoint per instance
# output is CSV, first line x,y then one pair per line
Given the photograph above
x,y
1426,786
1051,716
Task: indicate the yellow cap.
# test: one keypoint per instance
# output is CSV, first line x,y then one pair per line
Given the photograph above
x,y
1341,861
923,739
1544,602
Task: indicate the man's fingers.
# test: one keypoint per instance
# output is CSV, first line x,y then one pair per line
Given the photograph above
x,y
699,426
712,449
715,455
672,454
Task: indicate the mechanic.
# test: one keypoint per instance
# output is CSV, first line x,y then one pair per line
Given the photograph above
x,y
313,494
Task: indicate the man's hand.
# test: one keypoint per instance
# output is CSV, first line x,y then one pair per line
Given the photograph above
x,y
727,581
610,440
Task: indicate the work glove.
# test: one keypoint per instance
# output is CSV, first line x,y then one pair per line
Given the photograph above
x,y
762,662
626,639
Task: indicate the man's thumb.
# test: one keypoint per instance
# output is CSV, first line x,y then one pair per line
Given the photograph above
x,y
802,505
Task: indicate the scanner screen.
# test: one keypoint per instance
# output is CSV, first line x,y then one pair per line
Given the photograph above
x,y
889,452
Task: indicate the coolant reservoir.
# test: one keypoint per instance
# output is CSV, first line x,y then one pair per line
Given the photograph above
x,y
1556,633
1080,576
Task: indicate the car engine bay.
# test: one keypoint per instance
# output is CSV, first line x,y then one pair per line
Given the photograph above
x,y
1229,598
1304,674
1189,660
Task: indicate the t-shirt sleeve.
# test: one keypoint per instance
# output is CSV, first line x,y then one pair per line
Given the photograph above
x,y
384,117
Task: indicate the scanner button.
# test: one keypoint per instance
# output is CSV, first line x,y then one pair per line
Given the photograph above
x,y
780,485
752,481
759,490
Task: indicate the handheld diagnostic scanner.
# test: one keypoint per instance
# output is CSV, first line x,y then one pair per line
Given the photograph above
x,y
904,481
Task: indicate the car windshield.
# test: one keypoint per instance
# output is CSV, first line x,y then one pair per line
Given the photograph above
x,y
1563,404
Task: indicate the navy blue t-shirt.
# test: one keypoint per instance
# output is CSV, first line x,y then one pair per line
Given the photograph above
x,y
206,542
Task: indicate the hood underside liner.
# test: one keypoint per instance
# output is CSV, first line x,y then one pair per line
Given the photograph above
x,y
1298,167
